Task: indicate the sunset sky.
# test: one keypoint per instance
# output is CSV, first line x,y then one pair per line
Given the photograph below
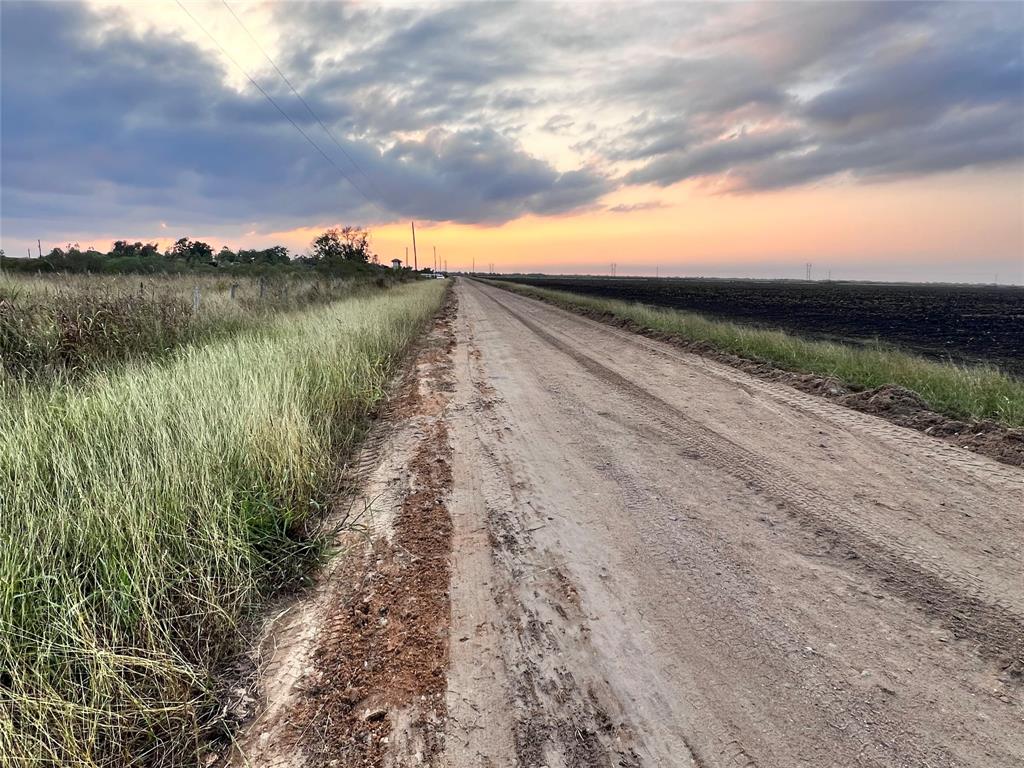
x,y
877,141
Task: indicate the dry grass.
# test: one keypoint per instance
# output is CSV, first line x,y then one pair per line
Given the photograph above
x,y
146,511
64,325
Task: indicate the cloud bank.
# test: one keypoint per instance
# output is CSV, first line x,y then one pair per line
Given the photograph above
x,y
484,113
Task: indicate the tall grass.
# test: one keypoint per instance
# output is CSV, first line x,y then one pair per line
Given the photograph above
x,y
144,513
963,392
64,325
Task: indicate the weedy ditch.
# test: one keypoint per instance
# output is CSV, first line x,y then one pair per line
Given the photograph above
x,y
146,512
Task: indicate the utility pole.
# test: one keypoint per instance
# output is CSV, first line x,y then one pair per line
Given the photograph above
x,y
39,245
474,265
415,260
435,258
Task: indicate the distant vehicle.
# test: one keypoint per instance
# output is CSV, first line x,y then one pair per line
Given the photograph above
x,y
439,276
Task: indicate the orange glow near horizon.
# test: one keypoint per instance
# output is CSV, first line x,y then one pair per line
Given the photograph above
x,y
965,225
924,221
933,221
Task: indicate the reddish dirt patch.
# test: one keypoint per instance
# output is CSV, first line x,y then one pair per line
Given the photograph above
x,y
376,695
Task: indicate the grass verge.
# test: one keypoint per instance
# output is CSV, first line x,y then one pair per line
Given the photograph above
x,y
962,392
64,326
146,513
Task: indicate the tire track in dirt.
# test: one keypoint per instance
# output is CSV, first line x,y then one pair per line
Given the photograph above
x,y
376,695
560,711
728,627
892,406
356,675
955,598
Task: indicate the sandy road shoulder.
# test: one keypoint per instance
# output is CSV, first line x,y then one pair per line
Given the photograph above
x,y
352,672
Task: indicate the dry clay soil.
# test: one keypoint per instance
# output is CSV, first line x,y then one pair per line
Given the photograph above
x,y
588,548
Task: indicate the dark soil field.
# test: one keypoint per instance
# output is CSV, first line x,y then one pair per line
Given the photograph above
x,y
966,324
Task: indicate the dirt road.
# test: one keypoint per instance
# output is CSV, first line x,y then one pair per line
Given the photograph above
x,y
588,549
660,561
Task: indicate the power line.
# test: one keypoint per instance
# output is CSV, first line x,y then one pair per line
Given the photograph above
x,y
276,105
298,95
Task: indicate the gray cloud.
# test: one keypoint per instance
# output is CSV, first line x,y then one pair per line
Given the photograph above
x,y
976,138
926,88
497,180
922,84
700,85
715,157
650,205
558,123
103,126
439,105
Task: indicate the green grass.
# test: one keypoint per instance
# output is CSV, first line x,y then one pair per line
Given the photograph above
x,y
962,392
64,325
145,512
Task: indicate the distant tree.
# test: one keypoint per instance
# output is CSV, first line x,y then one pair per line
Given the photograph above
x,y
122,248
179,250
355,244
346,244
72,259
327,247
276,254
191,251
226,256
202,252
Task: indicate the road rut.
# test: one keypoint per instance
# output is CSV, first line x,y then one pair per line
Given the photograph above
x,y
661,561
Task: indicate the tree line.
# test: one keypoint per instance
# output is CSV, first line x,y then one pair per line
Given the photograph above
x,y
333,249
